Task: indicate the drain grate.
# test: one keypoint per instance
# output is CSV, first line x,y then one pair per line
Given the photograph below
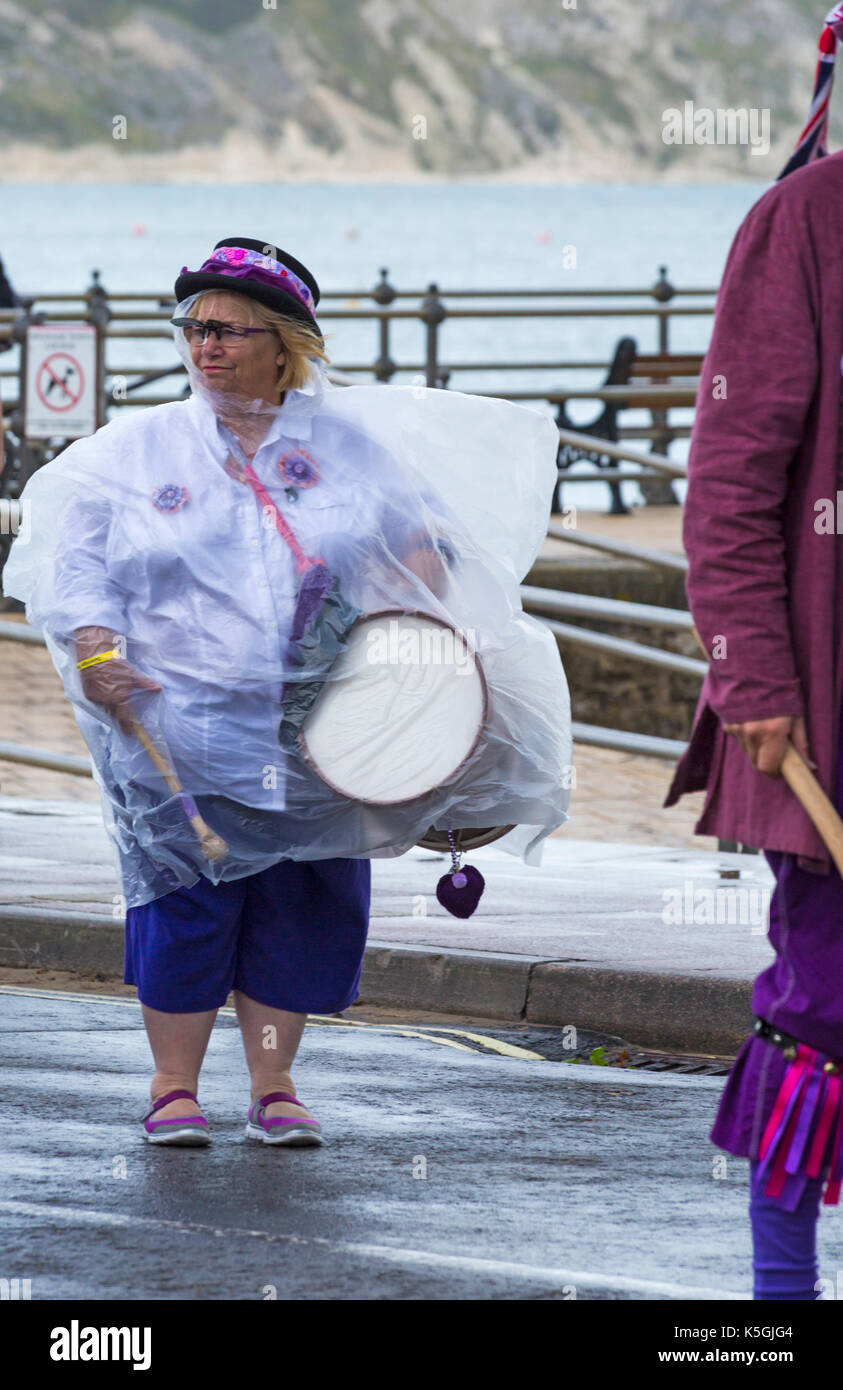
x,y
603,1049
663,1061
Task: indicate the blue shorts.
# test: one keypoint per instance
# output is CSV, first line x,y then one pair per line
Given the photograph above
x,y
291,937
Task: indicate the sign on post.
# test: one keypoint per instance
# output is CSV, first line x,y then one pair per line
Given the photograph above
x,y
61,377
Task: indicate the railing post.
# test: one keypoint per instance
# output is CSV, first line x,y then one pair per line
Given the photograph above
x,y
96,297
657,492
29,457
20,459
433,311
384,294
663,292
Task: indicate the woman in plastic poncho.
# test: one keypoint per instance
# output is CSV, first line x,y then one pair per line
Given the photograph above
x,y
197,569
202,583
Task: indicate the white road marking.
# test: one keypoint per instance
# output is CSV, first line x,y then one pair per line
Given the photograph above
x,y
67,995
557,1278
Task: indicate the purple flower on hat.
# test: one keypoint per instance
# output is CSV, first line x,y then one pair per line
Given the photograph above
x,y
242,263
299,468
170,497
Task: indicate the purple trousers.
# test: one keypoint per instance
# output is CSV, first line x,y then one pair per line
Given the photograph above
x,y
800,993
784,1244
786,1115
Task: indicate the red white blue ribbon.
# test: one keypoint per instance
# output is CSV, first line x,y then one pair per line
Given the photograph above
x,y
813,141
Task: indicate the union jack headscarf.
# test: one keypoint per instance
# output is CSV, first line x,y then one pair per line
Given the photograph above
x,y
813,142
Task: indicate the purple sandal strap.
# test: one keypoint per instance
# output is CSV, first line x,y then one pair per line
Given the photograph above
x,y
165,1100
260,1105
172,1095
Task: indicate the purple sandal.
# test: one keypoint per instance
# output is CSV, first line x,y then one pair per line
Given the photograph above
x,y
181,1129
284,1129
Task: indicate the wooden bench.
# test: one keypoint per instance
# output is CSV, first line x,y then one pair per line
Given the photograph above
x,y
603,426
662,368
629,367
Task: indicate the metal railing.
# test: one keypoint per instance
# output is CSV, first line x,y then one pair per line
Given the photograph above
x,y
143,317
432,308
644,745
655,463
41,757
612,610
620,549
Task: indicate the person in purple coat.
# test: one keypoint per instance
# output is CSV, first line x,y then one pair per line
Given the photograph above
x,y
763,517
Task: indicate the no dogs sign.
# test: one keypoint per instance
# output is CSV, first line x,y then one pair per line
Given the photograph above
x,y
60,380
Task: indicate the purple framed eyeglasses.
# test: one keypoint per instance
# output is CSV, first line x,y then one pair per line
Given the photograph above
x,y
195,331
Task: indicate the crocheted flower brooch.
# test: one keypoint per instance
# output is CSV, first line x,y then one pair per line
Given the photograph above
x,y
298,469
170,497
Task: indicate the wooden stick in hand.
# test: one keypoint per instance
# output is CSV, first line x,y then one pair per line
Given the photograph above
x,y
805,786
213,846
810,794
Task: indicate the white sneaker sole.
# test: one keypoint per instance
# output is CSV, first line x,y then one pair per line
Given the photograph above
x,y
189,1138
290,1137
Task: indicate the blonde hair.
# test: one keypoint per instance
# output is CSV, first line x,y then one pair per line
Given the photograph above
x,y
298,340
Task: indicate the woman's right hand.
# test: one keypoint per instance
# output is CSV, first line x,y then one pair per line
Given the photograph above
x,y
109,683
765,740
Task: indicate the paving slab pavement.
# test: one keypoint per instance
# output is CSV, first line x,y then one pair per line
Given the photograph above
x,y
658,946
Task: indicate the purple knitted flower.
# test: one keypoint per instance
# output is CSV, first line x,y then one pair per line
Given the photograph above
x,y
299,469
170,497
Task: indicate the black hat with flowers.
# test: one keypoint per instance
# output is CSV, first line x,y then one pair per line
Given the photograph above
x,y
259,270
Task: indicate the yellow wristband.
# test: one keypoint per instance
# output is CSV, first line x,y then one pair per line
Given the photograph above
x,y
95,660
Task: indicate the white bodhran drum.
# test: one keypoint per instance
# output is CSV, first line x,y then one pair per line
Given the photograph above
x,y
402,711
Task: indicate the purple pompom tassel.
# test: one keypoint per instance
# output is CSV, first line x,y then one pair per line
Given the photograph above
x,y
460,889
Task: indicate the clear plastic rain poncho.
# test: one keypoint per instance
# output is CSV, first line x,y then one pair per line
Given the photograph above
x,y
325,645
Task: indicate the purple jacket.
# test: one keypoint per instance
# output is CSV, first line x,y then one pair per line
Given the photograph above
x,y
765,581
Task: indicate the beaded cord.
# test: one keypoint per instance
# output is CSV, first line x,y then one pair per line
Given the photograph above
x,y
458,878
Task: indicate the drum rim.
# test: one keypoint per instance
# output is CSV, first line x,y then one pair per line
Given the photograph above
x,y
405,800
486,836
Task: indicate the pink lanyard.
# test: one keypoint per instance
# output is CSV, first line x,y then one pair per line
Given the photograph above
x,y
303,562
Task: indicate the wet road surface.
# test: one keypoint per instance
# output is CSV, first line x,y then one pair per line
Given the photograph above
x,y
450,1171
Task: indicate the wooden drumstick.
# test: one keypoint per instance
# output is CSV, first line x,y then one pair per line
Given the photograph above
x,y
810,794
214,847
805,786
